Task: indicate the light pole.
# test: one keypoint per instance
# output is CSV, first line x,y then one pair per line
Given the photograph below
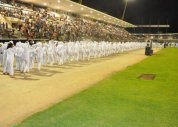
x,y
125,8
80,1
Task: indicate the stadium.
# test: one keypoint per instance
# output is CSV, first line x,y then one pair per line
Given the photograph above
x,y
76,63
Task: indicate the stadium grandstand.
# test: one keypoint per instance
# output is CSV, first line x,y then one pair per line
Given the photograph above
x,y
158,37
37,20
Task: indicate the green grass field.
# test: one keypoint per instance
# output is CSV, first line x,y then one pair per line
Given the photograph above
x,y
122,100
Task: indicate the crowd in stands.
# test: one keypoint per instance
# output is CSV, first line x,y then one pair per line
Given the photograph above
x,y
38,23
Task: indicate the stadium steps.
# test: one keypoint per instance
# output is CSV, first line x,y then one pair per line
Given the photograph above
x,y
9,23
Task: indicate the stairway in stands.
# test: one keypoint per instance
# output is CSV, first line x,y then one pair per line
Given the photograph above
x,y
3,19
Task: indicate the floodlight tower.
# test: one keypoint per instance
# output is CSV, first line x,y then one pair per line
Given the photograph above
x,y
125,8
80,1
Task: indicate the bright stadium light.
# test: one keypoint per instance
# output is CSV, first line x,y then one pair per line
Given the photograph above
x,y
44,4
125,7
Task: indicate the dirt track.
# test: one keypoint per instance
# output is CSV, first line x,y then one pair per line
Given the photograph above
x,y
26,94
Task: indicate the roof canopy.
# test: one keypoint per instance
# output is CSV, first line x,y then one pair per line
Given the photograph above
x,y
72,7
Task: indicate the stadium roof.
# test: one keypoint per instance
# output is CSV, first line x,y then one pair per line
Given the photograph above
x,y
156,34
73,7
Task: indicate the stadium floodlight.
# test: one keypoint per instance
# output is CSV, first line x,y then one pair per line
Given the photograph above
x,y
44,4
129,0
125,7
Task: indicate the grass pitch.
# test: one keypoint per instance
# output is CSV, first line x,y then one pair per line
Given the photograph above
x,y
122,100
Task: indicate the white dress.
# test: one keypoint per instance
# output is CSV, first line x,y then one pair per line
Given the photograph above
x,y
1,56
9,61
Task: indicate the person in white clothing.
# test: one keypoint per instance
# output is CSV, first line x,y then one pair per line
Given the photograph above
x,y
19,52
9,60
39,54
1,54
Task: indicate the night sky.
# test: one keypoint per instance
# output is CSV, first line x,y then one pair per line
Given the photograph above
x,y
141,11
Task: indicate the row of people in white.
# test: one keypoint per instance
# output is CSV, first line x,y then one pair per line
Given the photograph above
x,y
54,52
